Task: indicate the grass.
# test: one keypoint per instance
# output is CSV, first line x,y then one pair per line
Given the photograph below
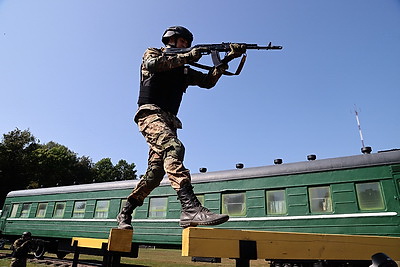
x,y
6,263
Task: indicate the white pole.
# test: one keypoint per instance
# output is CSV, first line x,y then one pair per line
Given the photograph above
x,y
359,127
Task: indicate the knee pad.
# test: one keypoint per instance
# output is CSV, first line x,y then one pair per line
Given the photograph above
x,y
175,149
155,172
154,175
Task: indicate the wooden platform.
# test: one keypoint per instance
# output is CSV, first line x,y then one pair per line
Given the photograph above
x,y
119,240
222,243
118,243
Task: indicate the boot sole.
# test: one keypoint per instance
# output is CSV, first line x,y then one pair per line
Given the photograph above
x,y
194,224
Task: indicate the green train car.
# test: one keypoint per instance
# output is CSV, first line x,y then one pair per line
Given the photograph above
x,y
347,195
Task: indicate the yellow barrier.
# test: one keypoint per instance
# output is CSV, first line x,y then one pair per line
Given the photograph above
x,y
118,242
89,242
241,244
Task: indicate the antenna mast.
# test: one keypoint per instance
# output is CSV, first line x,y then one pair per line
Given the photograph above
x,y
359,126
364,149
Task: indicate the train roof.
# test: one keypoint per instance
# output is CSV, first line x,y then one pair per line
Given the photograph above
x,y
358,161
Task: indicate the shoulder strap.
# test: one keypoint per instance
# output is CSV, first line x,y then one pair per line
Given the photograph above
x,y
237,72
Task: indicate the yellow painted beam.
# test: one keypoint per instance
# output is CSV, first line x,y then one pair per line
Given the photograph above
x,y
118,240
89,242
223,243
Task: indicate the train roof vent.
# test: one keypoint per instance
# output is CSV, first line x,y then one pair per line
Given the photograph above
x,y
278,161
203,170
239,165
366,150
311,157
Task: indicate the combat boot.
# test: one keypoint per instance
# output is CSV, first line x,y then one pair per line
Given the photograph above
x,y
193,213
124,218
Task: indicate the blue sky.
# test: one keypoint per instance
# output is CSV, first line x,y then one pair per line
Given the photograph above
x,y
69,72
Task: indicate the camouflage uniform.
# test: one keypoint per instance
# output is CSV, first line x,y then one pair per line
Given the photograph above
x,y
154,61
159,127
164,79
21,248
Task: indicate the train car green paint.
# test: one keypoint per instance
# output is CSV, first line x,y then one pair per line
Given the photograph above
x,y
341,213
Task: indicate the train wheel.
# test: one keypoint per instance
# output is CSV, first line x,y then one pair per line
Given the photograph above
x,y
40,251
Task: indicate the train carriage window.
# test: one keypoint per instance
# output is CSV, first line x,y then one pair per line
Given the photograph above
x,y
158,207
370,196
102,207
79,209
26,207
234,204
276,202
41,210
320,199
14,210
59,209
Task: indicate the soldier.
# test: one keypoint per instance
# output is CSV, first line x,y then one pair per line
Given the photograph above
x,y
21,248
164,79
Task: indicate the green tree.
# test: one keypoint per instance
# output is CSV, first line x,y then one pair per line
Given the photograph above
x,y
15,149
84,170
24,163
125,171
54,164
105,171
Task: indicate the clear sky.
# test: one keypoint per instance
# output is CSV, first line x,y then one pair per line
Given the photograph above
x,y
69,72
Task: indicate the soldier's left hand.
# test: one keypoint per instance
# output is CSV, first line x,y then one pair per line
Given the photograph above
x,y
236,50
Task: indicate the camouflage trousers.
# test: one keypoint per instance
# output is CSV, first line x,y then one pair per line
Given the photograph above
x,y
166,152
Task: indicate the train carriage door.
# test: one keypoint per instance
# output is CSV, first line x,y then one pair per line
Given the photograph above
x,y
396,177
3,216
398,189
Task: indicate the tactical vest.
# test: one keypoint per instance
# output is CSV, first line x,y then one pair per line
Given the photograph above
x,y
164,89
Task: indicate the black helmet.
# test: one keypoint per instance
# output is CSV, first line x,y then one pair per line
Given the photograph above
x,y
26,235
177,31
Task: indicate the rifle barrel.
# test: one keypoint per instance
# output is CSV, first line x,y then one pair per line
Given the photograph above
x,y
272,47
223,47
268,47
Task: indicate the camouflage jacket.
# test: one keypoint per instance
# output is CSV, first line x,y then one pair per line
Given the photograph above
x,y
154,61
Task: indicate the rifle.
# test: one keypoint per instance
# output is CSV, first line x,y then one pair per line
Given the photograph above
x,y
215,49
